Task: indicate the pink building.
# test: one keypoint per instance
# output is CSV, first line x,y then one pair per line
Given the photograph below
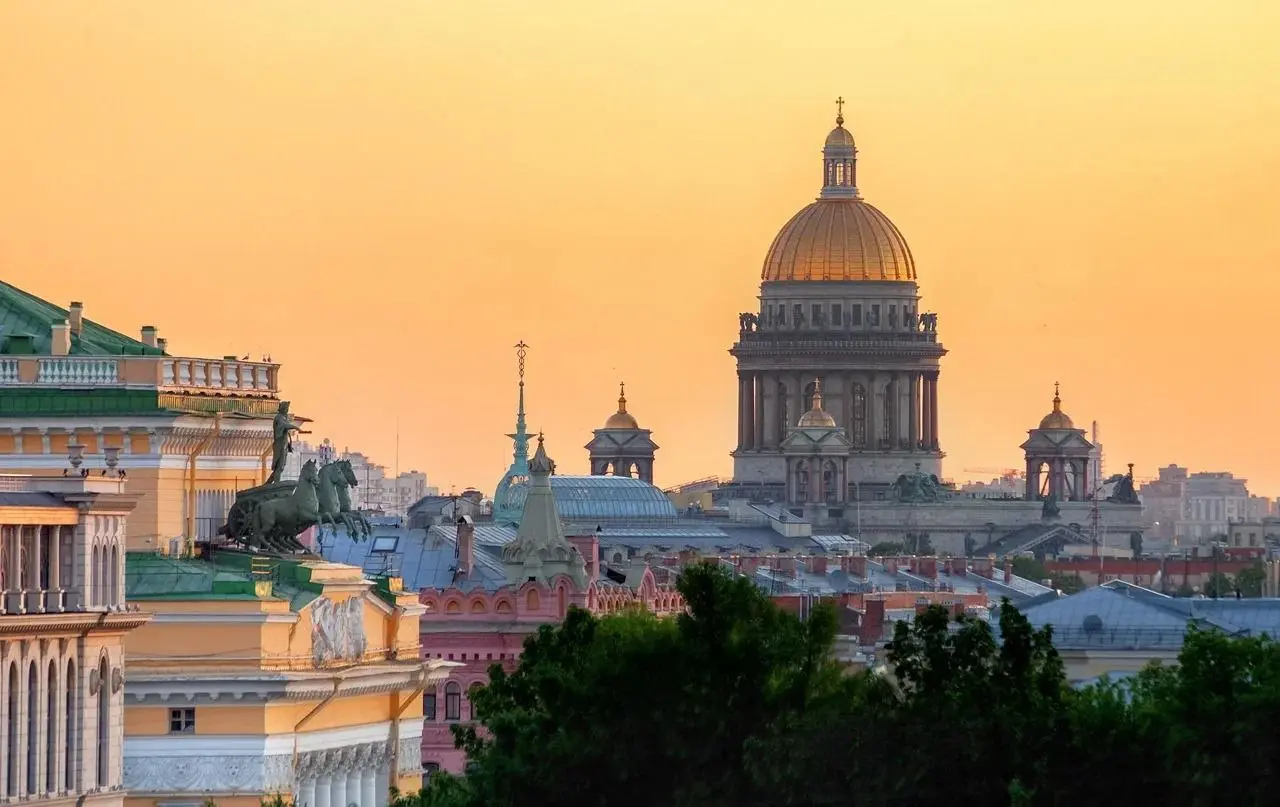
x,y
499,594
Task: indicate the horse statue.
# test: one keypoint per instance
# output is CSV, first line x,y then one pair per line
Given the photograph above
x,y
279,521
337,475
358,527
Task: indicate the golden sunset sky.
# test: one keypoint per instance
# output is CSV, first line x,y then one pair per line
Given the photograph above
x,y
387,196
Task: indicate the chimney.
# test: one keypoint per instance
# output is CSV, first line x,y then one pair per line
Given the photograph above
x,y
60,339
1008,570
948,566
466,545
872,621
588,547
163,344
818,565
75,316
890,565
858,567
149,336
929,568
961,567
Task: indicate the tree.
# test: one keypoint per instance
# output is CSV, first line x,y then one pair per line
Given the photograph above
x,y
600,709
1219,585
1250,580
1030,568
885,549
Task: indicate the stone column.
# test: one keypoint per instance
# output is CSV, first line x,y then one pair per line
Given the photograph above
x,y
323,789
933,412
926,415
307,793
750,425
742,410
797,406
35,591
758,413
914,415
873,413
384,783
338,789
770,384
368,788
54,596
354,781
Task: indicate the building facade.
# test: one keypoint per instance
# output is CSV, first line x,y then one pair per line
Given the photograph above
x,y
262,675
188,432
62,623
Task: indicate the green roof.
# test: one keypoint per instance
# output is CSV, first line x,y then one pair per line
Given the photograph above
x,y
25,401
26,328
229,576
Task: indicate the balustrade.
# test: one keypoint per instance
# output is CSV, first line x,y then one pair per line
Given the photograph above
x,y
78,371
221,375
9,371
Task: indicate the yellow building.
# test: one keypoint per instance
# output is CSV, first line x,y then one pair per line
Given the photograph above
x,y
267,675
189,432
62,620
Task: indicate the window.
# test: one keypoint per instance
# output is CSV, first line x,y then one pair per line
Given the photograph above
x,y
893,316
874,319
430,767
452,701
782,315
816,312
384,543
429,706
471,693
837,315
182,721
855,314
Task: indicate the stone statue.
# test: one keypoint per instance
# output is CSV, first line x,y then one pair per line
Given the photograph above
x,y
929,322
969,545
1050,508
913,320
282,429
917,487
1135,544
748,322
819,318
797,322
893,317
337,630
1123,492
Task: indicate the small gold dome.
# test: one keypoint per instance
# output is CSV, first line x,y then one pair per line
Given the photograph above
x,y
839,239
622,419
1057,419
840,137
817,417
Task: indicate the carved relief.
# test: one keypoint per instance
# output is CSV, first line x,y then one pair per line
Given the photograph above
x,y
337,630
95,682
117,680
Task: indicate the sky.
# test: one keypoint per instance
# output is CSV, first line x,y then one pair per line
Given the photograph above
x,y
386,196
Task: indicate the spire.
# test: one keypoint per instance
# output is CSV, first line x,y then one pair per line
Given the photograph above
x,y
839,161
541,464
1057,399
540,552
817,394
622,397
520,437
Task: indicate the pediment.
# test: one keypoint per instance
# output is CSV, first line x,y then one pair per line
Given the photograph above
x,y
1056,441
816,439
607,441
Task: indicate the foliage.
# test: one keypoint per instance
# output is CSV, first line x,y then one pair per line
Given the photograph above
x,y
886,549
1219,585
1030,568
739,703
1250,580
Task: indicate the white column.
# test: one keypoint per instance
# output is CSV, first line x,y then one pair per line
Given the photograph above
x,y
353,788
307,794
321,787
368,788
384,785
338,790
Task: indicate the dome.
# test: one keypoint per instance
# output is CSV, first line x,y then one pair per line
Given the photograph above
x,y
817,417
839,239
1057,419
840,137
622,419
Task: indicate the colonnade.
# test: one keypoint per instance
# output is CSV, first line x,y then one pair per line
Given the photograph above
x,y
879,409
48,569
1067,478
359,776
45,715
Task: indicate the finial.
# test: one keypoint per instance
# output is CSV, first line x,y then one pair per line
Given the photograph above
x,y
539,438
622,397
817,393
521,351
840,111
1057,401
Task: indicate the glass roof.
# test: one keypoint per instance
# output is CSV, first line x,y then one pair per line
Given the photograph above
x,y
602,498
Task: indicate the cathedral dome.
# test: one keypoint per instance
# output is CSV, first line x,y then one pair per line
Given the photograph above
x,y
622,419
839,237
1057,419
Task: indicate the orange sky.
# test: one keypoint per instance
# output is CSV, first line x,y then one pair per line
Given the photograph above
x,y
387,195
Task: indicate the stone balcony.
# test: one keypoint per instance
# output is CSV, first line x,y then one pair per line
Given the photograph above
x,y
226,376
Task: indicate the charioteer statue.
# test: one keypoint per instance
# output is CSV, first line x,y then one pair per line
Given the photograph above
x,y
271,516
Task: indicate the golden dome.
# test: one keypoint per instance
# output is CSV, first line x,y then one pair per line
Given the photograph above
x,y
840,136
622,419
817,417
839,239
1057,419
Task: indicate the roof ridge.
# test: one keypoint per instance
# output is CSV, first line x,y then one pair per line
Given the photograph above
x,y
28,312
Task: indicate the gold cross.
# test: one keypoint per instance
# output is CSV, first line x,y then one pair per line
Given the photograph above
x,y
840,106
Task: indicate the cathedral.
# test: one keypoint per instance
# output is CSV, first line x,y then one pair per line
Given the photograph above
x,y
838,376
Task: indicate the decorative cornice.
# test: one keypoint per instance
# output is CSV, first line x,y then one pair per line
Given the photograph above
x,y
74,621
212,690
186,617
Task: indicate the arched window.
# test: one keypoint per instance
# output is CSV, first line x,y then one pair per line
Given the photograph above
x,y
802,482
11,775
113,587
33,728
859,416
830,481
471,693
69,730
452,701
562,597
51,730
104,724
532,601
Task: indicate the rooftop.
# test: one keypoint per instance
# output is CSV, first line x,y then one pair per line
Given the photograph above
x,y
26,325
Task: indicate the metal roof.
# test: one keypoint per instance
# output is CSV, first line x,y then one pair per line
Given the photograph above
x,y
601,498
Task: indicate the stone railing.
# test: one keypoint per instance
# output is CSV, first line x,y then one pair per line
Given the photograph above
x,y
9,371
77,372
216,375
